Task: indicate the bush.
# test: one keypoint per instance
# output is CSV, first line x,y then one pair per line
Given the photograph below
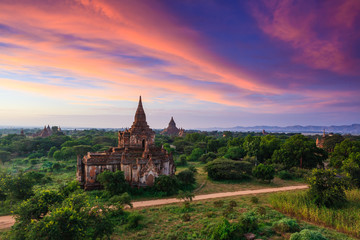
x,y
186,217
285,175
38,205
326,189
226,169
186,177
249,222
192,168
225,231
133,221
113,182
182,160
307,234
233,203
219,203
207,157
286,225
254,200
264,172
167,184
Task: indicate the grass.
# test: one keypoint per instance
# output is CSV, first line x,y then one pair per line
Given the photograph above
x,y
346,219
211,186
166,222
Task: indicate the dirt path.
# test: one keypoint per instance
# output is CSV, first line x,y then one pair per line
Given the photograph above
x,y
8,221
150,203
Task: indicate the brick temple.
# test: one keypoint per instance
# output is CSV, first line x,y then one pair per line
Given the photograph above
x,y
172,130
136,155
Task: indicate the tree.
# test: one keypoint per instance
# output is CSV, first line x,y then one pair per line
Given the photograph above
x,y
268,145
113,182
207,157
342,151
166,184
4,156
300,151
326,189
226,169
19,186
351,166
252,145
331,141
264,172
82,150
235,153
38,205
186,177
52,151
196,154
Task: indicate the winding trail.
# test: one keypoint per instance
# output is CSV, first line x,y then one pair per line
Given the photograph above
x,y
8,221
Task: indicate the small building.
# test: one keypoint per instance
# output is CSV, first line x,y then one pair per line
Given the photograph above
x,y
136,155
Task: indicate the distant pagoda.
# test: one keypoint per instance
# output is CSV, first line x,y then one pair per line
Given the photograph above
x,y
172,130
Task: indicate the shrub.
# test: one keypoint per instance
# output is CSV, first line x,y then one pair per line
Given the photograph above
x,y
264,172
233,203
326,189
186,177
307,234
225,231
182,160
226,169
285,175
192,168
286,225
219,203
113,182
38,205
207,157
133,220
186,217
249,222
254,200
167,184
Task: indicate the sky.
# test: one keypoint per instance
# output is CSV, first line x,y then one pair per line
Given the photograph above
x,y
84,63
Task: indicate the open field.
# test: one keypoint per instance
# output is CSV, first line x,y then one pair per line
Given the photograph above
x,y
346,219
165,222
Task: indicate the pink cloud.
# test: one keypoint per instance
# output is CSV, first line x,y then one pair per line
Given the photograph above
x,y
296,23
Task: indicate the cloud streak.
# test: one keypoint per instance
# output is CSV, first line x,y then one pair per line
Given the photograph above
x,y
93,52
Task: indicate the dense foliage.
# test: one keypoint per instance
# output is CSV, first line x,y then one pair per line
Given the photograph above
x,y
264,172
327,189
226,169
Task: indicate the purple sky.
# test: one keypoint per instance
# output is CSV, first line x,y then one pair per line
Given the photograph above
x,y
84,63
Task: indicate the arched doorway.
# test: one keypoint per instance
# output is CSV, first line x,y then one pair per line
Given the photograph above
x,y
143,143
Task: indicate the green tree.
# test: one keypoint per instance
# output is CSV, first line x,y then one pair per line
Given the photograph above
x,y
351,166
300,151
342,151
113,182
166,184
52,151
186,177
37,206
326,189
226,169
195,154
264,172
4,156
252,145
235,153
268,145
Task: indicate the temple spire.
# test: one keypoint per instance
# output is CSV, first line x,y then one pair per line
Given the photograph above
x,y
140,113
